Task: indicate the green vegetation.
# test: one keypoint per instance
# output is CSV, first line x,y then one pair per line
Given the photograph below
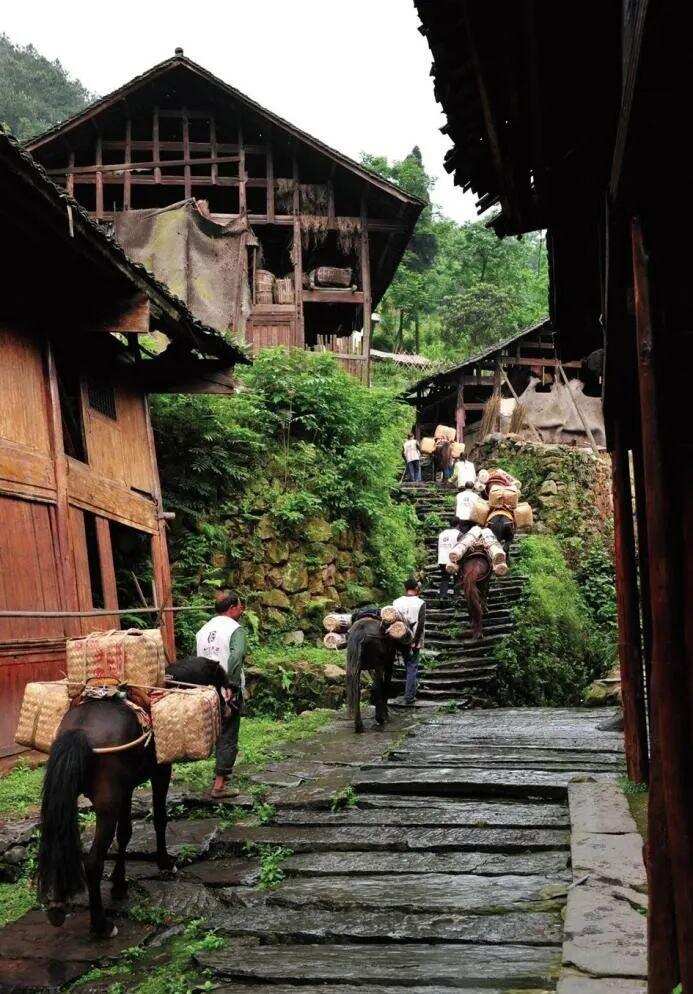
x,y
556,649
343,799
260,742
271,859
15,900
36,93
20,790
301,448
637,795
458,288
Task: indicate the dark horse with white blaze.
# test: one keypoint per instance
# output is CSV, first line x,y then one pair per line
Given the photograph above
x,y
369,648
473,578
108,780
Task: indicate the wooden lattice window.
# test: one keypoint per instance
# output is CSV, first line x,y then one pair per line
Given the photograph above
x,y
102,398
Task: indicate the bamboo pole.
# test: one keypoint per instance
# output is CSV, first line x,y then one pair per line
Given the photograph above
x,y
579,413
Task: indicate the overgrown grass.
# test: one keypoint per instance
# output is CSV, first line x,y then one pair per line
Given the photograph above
x,y
555,650
637,795
15,900
260,741
20,790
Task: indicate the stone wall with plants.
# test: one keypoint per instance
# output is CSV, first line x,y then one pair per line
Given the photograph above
x,y
565,637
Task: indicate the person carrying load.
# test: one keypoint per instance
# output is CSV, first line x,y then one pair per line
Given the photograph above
x,y
464,474
412,457
222,639
447,540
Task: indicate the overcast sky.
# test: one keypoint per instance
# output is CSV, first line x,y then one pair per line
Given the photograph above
x,y
353,73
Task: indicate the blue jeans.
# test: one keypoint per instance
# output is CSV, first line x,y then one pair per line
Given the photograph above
x,y
414,470
411,679
447,473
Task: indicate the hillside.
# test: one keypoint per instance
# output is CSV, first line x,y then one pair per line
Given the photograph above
x,y
36,93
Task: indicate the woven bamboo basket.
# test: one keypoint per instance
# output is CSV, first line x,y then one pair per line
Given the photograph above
x,y
43,708
135,656
334,640
264,279
524,518
332,276
442,431
479,511
264,297
457,449
503,497
284,291
427,446
186,724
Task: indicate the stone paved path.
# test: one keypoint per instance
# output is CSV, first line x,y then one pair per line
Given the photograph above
x,y
449,873
460,670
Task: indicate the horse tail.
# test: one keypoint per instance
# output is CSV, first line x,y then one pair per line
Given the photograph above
x,y
353,669
473,598
60,871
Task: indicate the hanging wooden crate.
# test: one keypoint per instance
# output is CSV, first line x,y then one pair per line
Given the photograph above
x,y
284,290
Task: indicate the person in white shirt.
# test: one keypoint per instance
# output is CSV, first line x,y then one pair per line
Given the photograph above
x,y
223,640
464,473
413,608
466,499
412,457
447,540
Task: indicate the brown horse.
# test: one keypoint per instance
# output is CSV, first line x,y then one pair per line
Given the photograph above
x,y
474,577
369,648
108,780
442,458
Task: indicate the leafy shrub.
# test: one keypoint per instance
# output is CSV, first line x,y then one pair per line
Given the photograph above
x,y
554,651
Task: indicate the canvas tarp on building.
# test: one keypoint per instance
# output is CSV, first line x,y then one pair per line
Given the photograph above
x,y
553,413
202,262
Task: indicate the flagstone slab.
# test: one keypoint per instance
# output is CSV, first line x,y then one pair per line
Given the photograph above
x,y
182,837
280,924
482,864
475,813
404,965
604,935
600,808
352,838
574,983
36,976
182,899
425,892
349,989
459,782
615,859
223,872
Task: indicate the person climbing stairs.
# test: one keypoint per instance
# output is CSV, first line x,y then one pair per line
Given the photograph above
x,y
455,669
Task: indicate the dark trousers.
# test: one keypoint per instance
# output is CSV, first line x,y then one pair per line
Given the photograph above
x,y
445,578
411,677
227,745
414,470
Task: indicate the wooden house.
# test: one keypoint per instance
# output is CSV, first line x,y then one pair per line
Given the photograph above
x,y
560,396
572,118
176,135
80,499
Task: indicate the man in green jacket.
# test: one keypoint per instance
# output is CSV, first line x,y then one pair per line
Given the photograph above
x,y
223,640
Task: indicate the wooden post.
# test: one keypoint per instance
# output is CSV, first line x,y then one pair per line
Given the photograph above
x,y
187,174
70,183
270,183
662,954
669,680
214,171
99,176
298,283
128,158
629,645
643,559
366,287
460,417
156,145
242,193
160,560
62,510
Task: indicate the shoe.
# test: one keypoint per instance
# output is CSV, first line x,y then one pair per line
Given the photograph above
x,y
409,704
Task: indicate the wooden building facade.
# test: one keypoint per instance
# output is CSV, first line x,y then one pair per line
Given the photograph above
x,y
79,487
178,133
573,119
530,359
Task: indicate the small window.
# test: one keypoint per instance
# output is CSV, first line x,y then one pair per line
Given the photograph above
x,y
102,398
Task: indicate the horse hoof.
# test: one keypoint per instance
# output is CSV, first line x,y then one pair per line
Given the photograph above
x,y
359,729
108,930
119,891
56,915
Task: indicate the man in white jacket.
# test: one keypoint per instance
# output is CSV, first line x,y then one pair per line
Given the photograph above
x,y
413,608
447,540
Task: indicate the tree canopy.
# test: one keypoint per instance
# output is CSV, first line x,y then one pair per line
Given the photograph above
x,y
36,93
458,287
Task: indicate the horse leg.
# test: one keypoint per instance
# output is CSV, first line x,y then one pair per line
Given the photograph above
x,y
358,721
106,819
161,778
119,885
379,697
387,689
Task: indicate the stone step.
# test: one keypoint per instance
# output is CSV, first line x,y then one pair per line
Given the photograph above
x,y
434,967
381,811
451,781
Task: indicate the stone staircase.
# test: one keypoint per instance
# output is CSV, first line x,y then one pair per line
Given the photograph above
x,y
456,669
